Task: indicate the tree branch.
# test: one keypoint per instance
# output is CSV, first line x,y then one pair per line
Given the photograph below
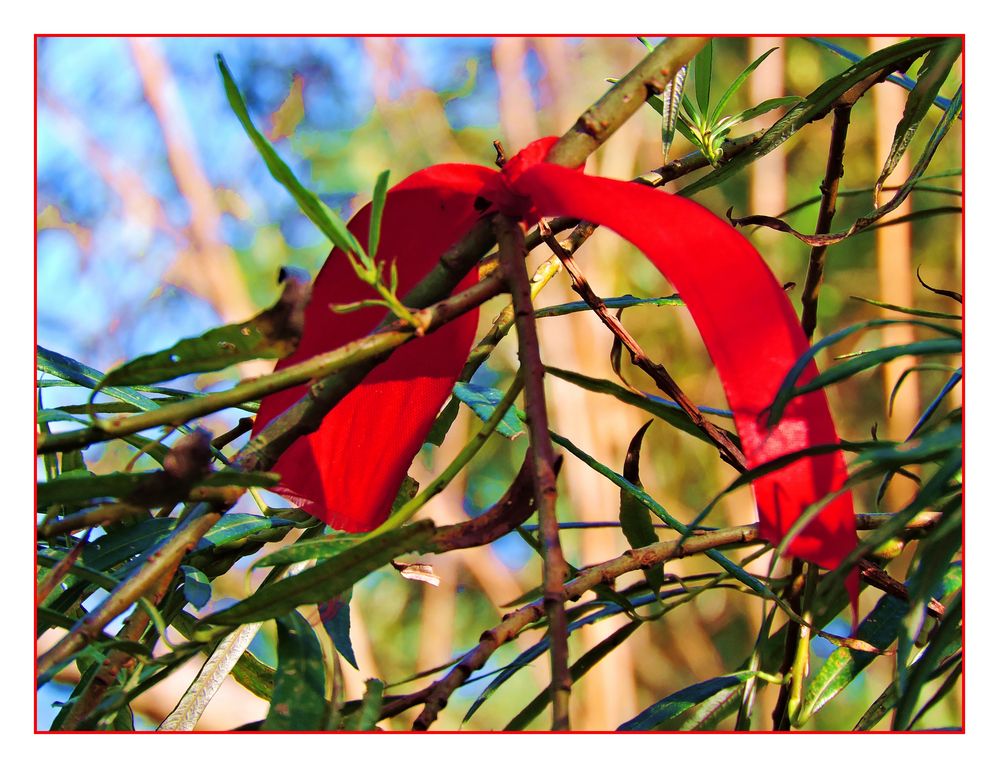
x,y
728,450
512,251
827,209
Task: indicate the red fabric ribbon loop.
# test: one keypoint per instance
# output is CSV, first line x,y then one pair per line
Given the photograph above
x,y
347,473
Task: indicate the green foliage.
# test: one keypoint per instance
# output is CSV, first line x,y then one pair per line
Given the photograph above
x,y
100,518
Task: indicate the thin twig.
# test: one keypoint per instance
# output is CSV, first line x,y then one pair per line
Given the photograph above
x,y
350,356
504,516
728,450
510,237
827,209
435,695
160,564
116,661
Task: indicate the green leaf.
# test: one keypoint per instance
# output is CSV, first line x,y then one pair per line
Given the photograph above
x,y
197,588
326,579
709,713
273,333
865,360
702,76
929,80
752,113
328,222
881,707
68,369
119,485
442,424
735,85
817,104
124,543
787,389
298,702
664,409
615,302
236,526
313,549
483,401
377,208
929,576
676,704
335,615
584,664
899,78
932,447
941,644
659,511
249,671
844,665
908,310
371,705
671,109
636,522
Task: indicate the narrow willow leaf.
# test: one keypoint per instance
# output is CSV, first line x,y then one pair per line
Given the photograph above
x,y
752,113
702,76
877,711
442,424
326,579
299,699
335,615
249,671
119,485
937,400
636,521
844,665
919,185
328,222
197,588
225,658
787,388
932,447
671,109
898,78
862,362
659,511
664,409
371,705
377,207
676,704
615,302
68,369
273,333
908,310
526,657
707,715
313,549
124,543
940,645
483,401
585,663
934,555
735,85
818,103
237,526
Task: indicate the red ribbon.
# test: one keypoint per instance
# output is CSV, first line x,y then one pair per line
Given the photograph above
x,y
348,471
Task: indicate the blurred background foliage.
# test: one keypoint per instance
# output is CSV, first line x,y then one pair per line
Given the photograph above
x,y
157,220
